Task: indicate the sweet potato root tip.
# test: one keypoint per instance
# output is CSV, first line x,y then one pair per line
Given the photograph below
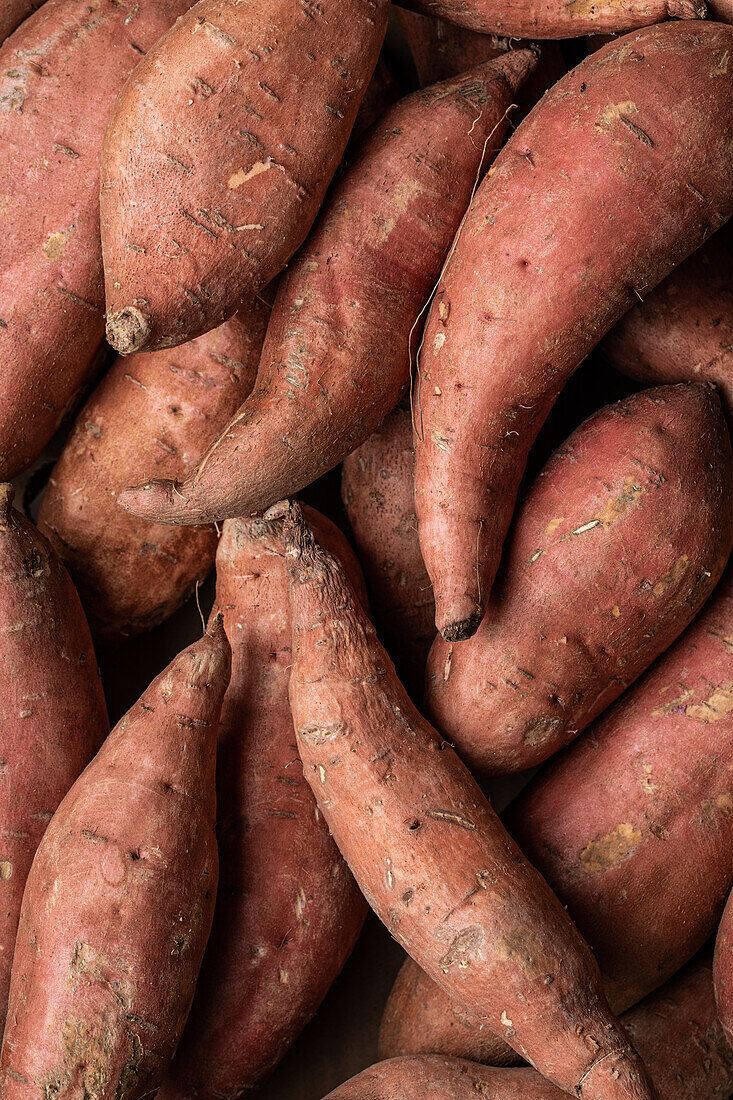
x,y
458,629
687,9
147,499
516,65
7,496
128,330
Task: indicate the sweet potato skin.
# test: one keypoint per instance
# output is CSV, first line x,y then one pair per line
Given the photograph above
x,y
59,76
12,14
131,848
221,206
723,970
523,300
618,543
288,911
53,715
429,853
683,331
151,412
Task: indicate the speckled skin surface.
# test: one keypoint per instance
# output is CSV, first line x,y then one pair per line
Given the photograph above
x,y
288,911
337,354
520,19
53,716
119,901
218,154
723,970
620,172
59,76
151,412
429,853
12,14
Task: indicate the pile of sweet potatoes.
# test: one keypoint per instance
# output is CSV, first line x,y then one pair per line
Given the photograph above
x,y
471,264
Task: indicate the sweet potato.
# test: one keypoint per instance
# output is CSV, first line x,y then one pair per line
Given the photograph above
x,y
617,544
377,490
382,92
430,854
118,904
151,410
59,76
337,353
684,330
226,165
288,911
723,970
12,14
52,711
614,178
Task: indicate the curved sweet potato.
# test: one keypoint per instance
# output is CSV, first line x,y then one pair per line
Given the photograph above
x,y
723,970
288,911
12,14
428,851
683,331
119,900
616,546
337,354
619,173
53,716
59,76
151,410
226,167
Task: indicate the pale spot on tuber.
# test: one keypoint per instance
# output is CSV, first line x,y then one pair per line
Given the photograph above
x,y
238,178
6,870
53,248
611,849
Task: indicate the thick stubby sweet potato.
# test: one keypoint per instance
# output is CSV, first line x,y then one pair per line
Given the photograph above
x,y
288,911
227,167
430,854
53,716
617,544
118,904
337,353
377,491
12,14
613,179
723,970
59,76
684,330
151,410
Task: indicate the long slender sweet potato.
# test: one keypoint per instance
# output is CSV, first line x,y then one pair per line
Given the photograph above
x,y
428,851
53,716
12,14
723,970
684,330
150,411
59,76
227,136
288,911
337,354
118,904
617,175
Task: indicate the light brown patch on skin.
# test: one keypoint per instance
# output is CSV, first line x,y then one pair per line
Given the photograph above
x,y
540,729
53,248
717,705
462,948
677,570
614,111
611,849
523,947
553,525
617,506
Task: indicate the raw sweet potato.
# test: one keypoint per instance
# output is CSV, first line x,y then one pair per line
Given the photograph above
x,y
617,544
59,76
226,138
377,490
52,712
151,410
382,92
337,353
684,330
288,910
619,173
430,854
118,904
723,970
12,14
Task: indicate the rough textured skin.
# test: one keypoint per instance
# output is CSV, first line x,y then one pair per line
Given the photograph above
x,y
150,411
616,546
337,354
623,169
723,970
684,330
59,76
53,716
130,850
377,490
225,167
430,854
382,92
12,14
288,911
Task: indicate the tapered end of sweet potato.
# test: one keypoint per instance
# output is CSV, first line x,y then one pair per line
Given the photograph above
x,y
516,65
128,330
7,496
458,618
687,9
157,501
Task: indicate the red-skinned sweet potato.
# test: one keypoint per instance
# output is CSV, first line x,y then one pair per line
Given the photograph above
x,y
288,911
683,331
12,14
151,410
226,167
645,125
337,353
52,711
429,853
118,904
723,969
382,92
617,544
59,76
